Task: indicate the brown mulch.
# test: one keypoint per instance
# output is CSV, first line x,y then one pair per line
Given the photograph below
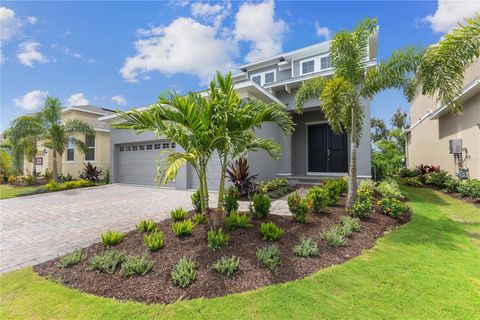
x,y
157,287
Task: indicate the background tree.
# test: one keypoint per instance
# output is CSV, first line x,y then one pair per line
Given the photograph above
x,y
379,129
352,81
56,134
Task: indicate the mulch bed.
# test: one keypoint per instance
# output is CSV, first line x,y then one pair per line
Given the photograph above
x,y
157,287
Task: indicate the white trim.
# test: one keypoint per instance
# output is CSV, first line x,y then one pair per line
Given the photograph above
x,y
68,109
317,64
301,62
248,83
101,130
332,174
262,76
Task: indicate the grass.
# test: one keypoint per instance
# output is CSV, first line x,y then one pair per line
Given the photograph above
x,y
7,191
427,269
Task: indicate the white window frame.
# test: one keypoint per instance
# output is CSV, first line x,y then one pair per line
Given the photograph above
x,y
317,64
71,139
305,61
262,76
94,144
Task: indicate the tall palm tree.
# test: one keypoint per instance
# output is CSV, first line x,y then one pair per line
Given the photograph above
x,y
56,133
235,120
441,70
340,95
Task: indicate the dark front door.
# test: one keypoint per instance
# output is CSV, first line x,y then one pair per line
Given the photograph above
x,y
327,151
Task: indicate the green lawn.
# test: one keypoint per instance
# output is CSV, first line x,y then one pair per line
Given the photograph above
x,y
427,269
7,191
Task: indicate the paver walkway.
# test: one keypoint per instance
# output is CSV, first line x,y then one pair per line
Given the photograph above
x,y
38,228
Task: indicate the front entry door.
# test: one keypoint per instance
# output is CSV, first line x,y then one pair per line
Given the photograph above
x,y
327,151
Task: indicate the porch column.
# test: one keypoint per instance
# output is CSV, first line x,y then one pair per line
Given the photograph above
x,y
284,167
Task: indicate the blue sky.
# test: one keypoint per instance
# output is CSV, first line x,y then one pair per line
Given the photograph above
x,y
122,55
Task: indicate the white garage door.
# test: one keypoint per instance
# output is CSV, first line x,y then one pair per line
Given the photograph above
x,y
213,174
137,162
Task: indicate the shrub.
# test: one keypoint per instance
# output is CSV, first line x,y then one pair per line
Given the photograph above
x,y
414,182
196,201
230,200
335,188
261,205
111,238
306,248
270,231
53,186
136,265
270,257
334,236
199,218
390,189
217,239
184,272
437,178
298,207
107,262
70,259
424,169
469,188
392,207
368,185
274,184
90,172
227,265
146,226
363,207
238,174
318,199
280,192
408,173
451,185
183,228
352,223
178,214
154,240
237,220
12,179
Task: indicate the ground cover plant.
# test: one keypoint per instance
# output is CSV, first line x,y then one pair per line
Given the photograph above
x,y
227,265
136,265
111,238
154,241
178,214
237,220
269,256
146,226
184,272
270,231
70,259
183,228
217,239
107,262
306,248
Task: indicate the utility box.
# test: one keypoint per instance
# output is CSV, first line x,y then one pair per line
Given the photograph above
x,y
455,146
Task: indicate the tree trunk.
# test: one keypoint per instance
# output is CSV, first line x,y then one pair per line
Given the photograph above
x,y
54,167
221,192
203,186
34,171
352,170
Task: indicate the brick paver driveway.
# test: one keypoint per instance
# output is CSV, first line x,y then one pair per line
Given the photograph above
x,y
41,227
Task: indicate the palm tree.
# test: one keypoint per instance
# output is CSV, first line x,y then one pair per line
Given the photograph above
x,y
234,122
187,120
56,134
441,70
340,95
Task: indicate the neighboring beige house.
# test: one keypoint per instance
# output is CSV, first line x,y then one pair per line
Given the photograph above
x,y
432,127
72,160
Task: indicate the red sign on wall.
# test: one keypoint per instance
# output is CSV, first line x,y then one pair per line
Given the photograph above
x,y
39,161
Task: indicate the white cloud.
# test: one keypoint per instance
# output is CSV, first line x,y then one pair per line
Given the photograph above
x,y
211,13
9,24
322,32
450,12
256,23
184,46
28,53
32,20
119,100
32,100
71,53
77,99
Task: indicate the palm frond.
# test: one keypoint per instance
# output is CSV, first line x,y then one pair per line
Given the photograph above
x,y
310,90
78,126
168,167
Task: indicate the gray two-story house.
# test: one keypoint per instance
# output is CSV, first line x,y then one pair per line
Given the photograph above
x,y
313,151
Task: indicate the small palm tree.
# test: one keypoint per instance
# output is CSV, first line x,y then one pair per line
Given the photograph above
x,y
340,95
56,133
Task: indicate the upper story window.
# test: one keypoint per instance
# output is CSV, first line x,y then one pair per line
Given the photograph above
x,y
257,79
90,144
70,148
270,77
308,66
325,63
264,78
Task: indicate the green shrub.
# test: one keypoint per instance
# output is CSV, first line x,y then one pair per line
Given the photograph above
x,y
318,199
154,240
392,207
184,272
136,265
230,200
408,173
178,214
363,207
390,189
111,238
261,205
70,259
227,265
183,228
306,248
270,231
280,192
334,236
368,185
107,262
298,207
196,201
270,257
437,178
237,220
217,239
352,223
200,218
76,184
470,188
52,186
451,185
146,226
414,182
274,184
335,188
